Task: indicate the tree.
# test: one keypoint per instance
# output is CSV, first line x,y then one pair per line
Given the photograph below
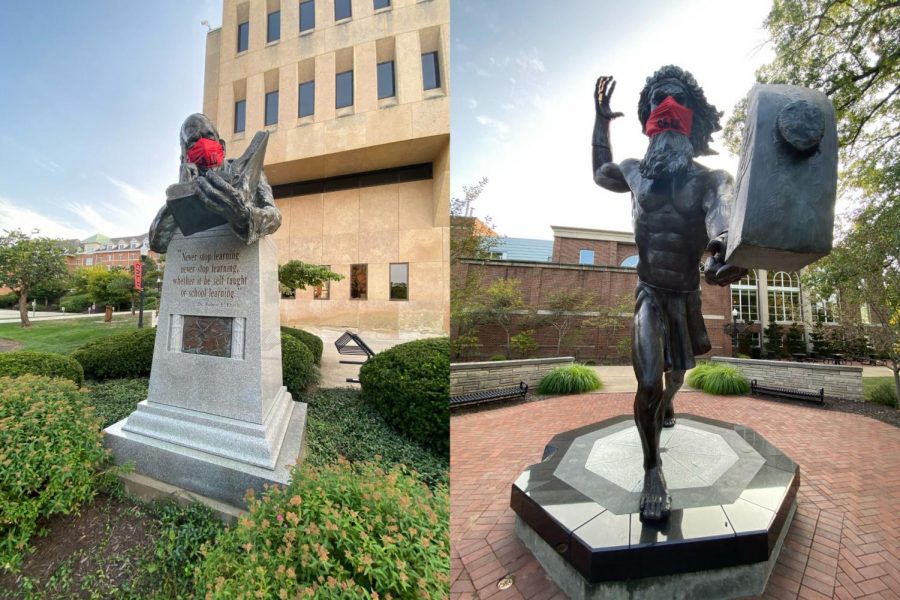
x,y
774,337
561,310
469,236
108,287
611,321
29,262
524,343
794,339
296,275
503,301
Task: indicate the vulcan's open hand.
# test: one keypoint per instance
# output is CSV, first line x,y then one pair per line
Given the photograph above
x,y
603,91
224,199
717,271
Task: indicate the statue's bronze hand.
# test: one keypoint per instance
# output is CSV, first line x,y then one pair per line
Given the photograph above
x,y
603,92
717,271
224,199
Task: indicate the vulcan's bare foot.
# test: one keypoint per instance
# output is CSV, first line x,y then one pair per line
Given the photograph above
x,y
656,504
669,419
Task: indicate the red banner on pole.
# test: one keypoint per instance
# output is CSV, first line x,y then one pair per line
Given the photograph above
x,y
138,275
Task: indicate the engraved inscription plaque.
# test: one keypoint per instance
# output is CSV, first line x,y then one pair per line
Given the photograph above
x,y
207,335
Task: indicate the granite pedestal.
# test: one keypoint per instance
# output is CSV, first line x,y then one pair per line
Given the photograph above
x,y
733,496
217,419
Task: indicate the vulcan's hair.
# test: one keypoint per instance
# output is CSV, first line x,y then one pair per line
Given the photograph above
x,y
706,117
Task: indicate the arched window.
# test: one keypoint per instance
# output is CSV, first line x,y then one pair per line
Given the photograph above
x,y
630,262
744,298
784,296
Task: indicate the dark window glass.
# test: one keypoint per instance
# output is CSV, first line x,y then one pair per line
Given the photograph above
x,y
240,116
323,292
243,35
272,108
307,99
431,77
382,4
307,15
399,281
386,79
359,282
344,89
274,29
341,9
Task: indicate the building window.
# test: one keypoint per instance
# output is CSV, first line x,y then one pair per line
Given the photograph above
x,y
744,298
399,281
342,10
386,79
307,95
243,36
359,282
323,292
784,297
273,30
586,257
89,261
272,107
240,116
631,262
826,311
431,77
382,4
307,15
864,315
343,95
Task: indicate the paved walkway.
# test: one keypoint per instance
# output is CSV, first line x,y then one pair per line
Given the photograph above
x,y
844,541
12,316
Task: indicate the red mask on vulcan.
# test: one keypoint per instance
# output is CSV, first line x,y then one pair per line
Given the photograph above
x,y
669,116
206,153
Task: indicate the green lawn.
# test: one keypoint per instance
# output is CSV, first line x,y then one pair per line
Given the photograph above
x,y
65,335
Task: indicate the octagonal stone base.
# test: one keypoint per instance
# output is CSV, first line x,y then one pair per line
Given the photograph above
x,y
732,498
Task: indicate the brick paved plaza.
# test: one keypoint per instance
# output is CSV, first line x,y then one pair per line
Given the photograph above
x,y
843,543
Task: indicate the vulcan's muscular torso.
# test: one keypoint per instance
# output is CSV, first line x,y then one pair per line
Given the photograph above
x,y
673,219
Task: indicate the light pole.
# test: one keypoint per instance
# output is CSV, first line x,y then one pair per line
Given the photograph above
x,y
144,251
734,333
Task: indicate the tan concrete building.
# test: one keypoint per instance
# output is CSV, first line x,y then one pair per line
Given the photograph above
x,y
356,97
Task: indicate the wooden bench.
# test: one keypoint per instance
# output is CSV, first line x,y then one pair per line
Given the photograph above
x,y
781,392
506,393
350,344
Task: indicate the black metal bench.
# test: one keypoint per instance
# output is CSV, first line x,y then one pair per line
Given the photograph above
x,y
351,344
506,393
768,390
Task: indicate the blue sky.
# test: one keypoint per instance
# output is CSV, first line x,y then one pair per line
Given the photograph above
x,y
93,95
522,77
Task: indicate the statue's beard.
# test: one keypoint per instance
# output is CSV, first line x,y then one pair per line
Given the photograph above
x,y
669,153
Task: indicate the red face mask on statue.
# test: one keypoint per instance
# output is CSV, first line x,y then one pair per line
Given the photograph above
x,y
206,153
669,116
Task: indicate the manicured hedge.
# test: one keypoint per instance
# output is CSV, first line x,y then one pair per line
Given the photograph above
x,y
48,364
313,342
409,385
10,300
51,454
128,354
75,303
298,367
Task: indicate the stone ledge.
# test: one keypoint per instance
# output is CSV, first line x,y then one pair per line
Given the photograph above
x,y
147,489
505,364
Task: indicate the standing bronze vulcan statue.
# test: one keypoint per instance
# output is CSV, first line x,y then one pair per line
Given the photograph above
x,y
680,209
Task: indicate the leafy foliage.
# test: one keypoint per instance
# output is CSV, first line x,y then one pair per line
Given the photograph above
x,y
503,303
298,366
296,275
341,424
50,452
313,342
884,392
9,300
774,339
28,262
723,380
115,399
794,339
109,287
409,385
470,237
571,379
47,364
523,343
128,354
75,303
341,531
561,310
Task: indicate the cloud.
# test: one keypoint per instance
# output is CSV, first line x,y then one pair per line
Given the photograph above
x,y
473,103
507,106
97,222
48,165
129,193
531,64
499,127
14,216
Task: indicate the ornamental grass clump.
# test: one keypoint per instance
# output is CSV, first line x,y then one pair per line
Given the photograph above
x,y
48,364
51,458
341,531
571,379
698,374
724,380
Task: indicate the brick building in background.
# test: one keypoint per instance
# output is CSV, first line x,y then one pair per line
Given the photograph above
x,y
356,97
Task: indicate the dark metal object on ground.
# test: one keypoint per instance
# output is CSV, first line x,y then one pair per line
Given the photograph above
x,y
351,344
789,393
505,393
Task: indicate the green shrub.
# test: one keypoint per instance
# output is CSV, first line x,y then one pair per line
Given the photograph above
x,y
341,531
298,367
497,357
115,399
128,354
341,424
313,342
523,343
150,303
10,300
698,374
48,364
50,453
570,379
75,303
884,392
409,385
725,381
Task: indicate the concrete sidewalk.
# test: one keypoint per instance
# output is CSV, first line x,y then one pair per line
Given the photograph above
x,y
12,315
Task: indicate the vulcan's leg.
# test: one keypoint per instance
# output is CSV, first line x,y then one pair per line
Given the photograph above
x,y
674,379
649,405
